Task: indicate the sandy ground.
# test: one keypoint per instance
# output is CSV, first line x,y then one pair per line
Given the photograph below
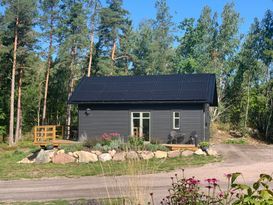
x,y
250,160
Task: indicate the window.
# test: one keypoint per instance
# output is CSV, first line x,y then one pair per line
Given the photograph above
x,y
176,120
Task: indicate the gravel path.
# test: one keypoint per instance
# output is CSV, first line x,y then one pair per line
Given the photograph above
x,y
251,160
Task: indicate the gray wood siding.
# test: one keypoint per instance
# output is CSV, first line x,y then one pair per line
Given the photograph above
x,y
161,125
116,118
103,121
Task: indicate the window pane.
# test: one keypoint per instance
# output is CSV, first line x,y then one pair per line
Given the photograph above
x,y
176,123
146,114
176,114
136,114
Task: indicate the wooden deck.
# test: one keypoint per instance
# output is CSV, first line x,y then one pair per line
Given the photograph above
x,y
181,147
49,135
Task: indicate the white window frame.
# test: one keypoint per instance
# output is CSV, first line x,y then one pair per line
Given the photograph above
x,y
141,117
176,118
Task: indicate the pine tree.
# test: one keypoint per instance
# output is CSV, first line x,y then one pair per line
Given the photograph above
x,y
18,20
73,41
48,24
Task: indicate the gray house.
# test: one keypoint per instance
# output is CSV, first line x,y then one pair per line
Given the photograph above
x,y
151,107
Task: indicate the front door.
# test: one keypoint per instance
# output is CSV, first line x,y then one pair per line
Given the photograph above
x,y
140,125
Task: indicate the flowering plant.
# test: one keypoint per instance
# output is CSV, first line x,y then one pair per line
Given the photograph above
x,y
106,138
189,191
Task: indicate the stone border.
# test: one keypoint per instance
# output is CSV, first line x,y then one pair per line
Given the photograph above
x,y
60,157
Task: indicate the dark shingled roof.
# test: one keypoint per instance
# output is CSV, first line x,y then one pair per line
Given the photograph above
x,y
192,88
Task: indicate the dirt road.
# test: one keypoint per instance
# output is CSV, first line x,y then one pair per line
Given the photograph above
x,y
250,160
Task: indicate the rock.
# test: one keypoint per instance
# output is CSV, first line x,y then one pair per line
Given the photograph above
x,y
71,154
44,156
97,152
212,152
146,155
105,157
112,152
119,156
236,134
200,152
173,154
26,161
61,151
63,159
187,153
85,157
132,155
160,154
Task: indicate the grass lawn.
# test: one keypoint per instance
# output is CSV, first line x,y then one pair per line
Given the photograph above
x,y
10,170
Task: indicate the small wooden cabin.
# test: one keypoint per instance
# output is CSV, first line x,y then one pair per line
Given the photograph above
x,y
149,106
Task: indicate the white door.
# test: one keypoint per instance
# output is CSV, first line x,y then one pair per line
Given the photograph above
x,y
140,125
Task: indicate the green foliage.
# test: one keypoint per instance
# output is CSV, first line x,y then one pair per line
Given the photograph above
x,y
135,141
154,147
72,147
204,144
236,141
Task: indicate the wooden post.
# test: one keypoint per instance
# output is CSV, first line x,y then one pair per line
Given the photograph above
x,y
54,132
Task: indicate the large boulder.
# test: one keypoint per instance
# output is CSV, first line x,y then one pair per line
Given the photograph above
x,y
132,155
112,152
61,151
146,155
105,157
44,156
212,152
160,154
26,161
85,157
200,152
119,156
187,153
62,159
97,152
173,154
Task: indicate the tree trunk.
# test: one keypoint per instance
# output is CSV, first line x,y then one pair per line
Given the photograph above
x,y
269,120
70,90
247,104
113,51
68,110
48,69
92,33
39,103
11,121
19,108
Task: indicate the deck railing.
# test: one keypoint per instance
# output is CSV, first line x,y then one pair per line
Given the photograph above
x,y
47,133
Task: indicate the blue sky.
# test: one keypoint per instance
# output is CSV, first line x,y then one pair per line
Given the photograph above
x,y
180,9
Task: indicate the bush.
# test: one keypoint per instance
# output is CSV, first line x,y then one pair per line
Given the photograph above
x,y
106,138
155,147
136,142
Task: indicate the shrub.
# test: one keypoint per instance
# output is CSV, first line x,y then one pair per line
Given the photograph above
x,y
106,138
90,142
154,147
136,142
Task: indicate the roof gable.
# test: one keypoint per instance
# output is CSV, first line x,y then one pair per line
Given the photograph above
x,y
198,88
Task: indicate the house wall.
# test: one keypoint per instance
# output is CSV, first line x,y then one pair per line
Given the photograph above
x,y
105,118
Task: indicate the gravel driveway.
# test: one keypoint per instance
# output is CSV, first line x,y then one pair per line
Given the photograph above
x,y
251,160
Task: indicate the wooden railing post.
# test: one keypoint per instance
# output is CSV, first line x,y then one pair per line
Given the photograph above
x,y
54,132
